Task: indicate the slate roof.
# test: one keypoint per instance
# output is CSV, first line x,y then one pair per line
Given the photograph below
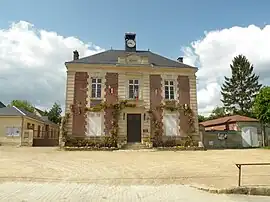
x,y
111,57
9,111
228,119
14,111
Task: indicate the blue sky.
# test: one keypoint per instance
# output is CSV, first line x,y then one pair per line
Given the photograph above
x,y
164,27
161,26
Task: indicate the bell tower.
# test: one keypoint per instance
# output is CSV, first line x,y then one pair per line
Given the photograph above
x,y
130,42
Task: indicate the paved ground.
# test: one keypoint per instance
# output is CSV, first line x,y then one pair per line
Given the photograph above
x,y
47,174
22,191
208,168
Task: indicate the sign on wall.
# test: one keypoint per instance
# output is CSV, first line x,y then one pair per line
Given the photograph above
x,y
13,131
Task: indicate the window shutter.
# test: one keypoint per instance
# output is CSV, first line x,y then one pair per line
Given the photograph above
x,y
94,124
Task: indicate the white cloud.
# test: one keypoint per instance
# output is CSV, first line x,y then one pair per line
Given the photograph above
x,y
214,53
32,63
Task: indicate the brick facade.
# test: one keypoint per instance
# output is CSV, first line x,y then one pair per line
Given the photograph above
x,y
184,98
80,96
155,98
111,97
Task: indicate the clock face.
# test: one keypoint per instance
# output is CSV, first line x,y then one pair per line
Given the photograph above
x,y
131,43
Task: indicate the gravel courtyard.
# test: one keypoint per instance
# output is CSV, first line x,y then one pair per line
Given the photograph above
x,y
213,168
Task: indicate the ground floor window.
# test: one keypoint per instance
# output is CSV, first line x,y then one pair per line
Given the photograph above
x,y
171,124
94,124
13,131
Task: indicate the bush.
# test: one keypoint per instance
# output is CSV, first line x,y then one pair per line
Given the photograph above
x,y
107,141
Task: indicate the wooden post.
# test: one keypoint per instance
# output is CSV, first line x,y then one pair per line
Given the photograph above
x,y
239,175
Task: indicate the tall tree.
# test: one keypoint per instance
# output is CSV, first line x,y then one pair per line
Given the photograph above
x,y
54,114
262,105
22,104
239,91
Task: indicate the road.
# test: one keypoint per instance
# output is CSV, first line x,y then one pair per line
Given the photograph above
x,y
63,191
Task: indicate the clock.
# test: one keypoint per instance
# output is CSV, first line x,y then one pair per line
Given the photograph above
x,y
131,43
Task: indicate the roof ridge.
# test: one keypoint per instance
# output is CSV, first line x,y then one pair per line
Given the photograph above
x,y
19,110
111,56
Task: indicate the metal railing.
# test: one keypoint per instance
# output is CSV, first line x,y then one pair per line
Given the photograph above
x,y
239,166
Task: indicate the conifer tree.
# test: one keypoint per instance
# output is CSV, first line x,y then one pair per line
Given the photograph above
x,y
239,91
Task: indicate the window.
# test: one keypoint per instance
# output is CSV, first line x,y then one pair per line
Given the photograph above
x,y
38,131
169,90
171,124
96,88
133,89
94,124
29,126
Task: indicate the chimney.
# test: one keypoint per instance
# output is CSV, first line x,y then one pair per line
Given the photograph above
x,y
180,59
75,55
130,42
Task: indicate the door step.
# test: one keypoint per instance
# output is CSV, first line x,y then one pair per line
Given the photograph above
x,y
134,146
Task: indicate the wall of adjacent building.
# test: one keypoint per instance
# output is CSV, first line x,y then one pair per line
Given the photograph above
x,y
211,141
234,135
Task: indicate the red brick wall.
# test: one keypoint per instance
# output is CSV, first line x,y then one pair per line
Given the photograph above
x,y
111,98
155,98
184,98
80,95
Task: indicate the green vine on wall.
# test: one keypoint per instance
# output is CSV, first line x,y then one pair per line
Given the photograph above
x,y
171,105
157,126
117,109
64,127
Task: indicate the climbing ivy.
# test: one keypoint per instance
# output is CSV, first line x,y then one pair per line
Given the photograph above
x,y
157,126
172,106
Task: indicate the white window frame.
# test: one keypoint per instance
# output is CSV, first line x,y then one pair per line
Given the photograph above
x,y
91,128
133,84
94,91
169,85
175,130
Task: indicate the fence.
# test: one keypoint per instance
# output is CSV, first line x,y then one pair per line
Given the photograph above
x,y
239,166
51,134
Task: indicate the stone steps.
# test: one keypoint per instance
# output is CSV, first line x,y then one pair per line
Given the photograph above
x,y
134,146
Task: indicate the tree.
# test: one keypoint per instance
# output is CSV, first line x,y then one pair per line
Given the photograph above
x,y
22,104
54,113
261,105
201,118
217,112
239,91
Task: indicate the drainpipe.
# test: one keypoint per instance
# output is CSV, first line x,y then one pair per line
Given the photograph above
x,y
22,129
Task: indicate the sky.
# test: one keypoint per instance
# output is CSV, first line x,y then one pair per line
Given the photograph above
x,y
37,37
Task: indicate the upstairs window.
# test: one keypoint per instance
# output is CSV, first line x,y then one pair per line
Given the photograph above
x,y
169,90
133,87
96,88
